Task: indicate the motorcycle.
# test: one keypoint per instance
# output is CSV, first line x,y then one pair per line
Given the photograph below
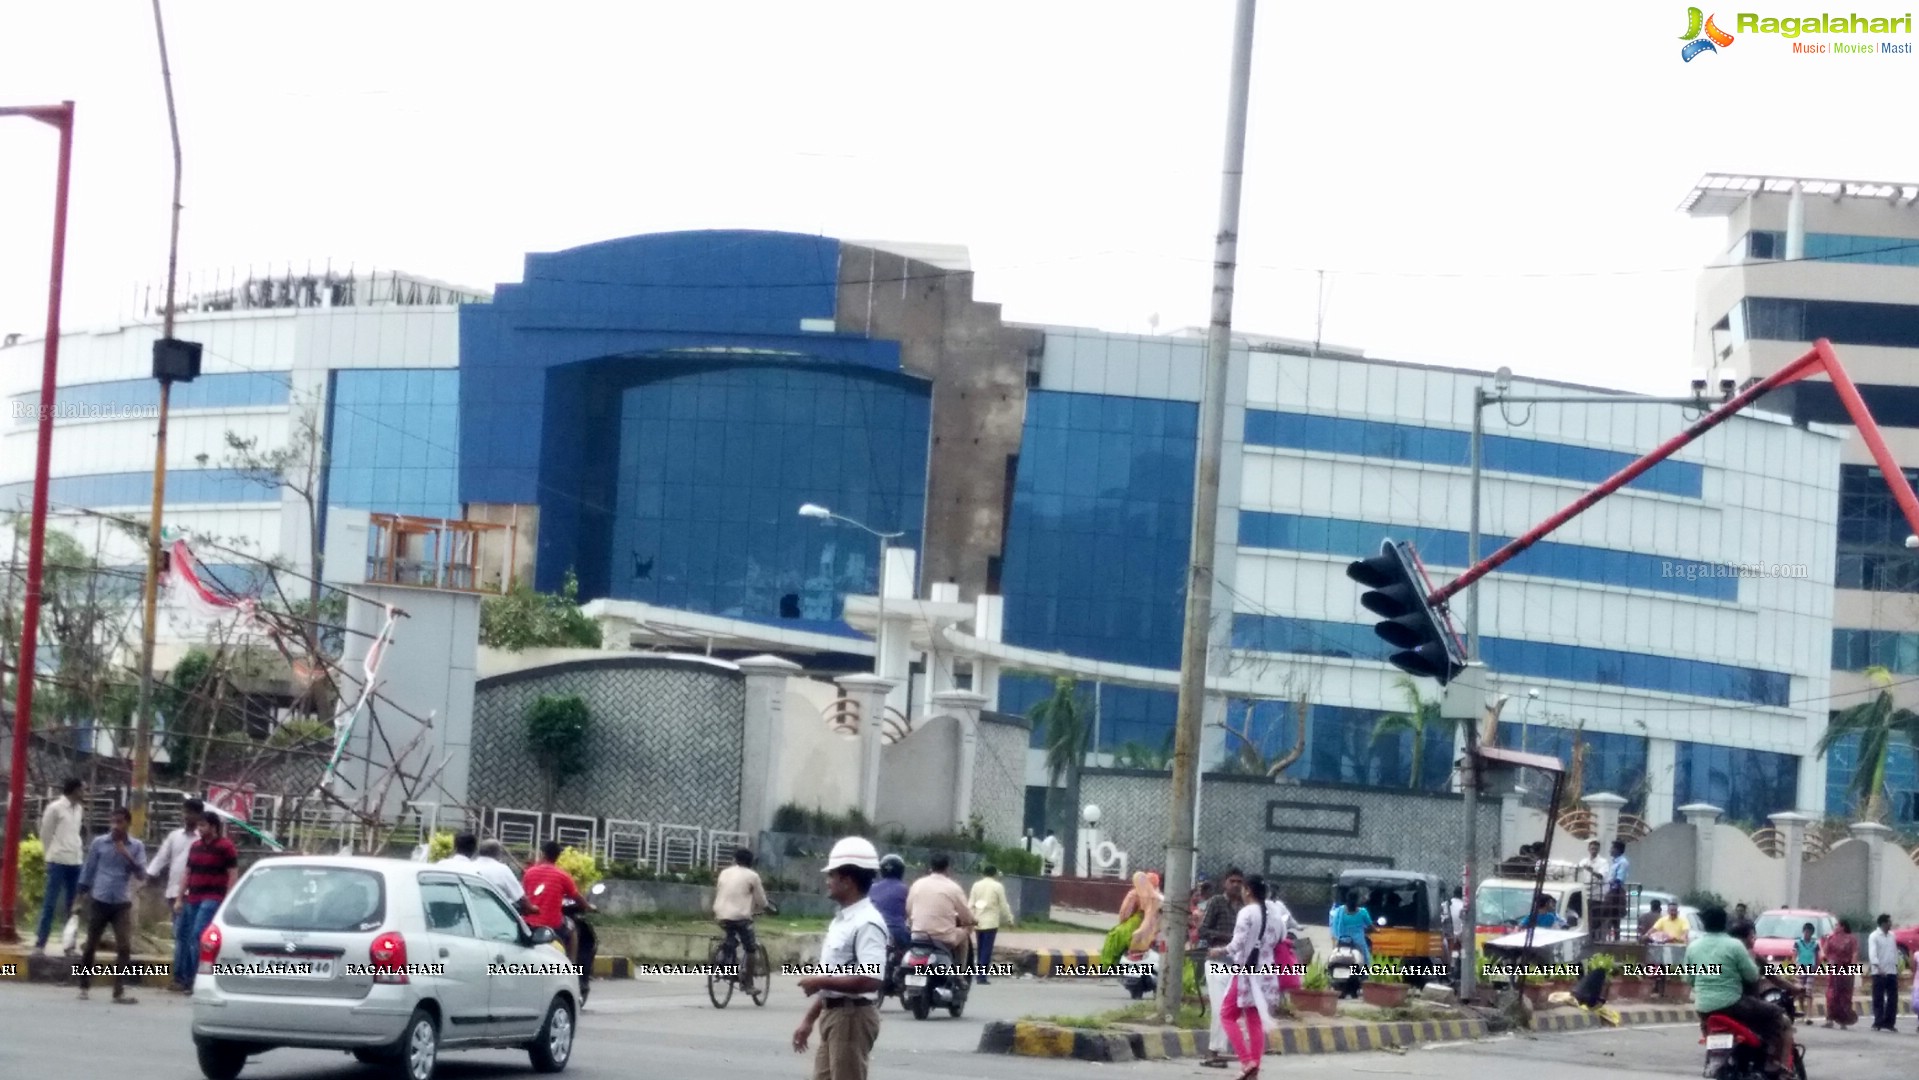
x,y
586,944
1142,971
1345,968
1735,1052
929,978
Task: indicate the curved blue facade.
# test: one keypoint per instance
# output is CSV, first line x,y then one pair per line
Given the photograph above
x,y
669,401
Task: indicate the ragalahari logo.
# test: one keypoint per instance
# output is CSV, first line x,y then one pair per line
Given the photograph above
x,y
1697,21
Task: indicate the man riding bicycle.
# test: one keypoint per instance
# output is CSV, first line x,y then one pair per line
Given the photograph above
x,y
737,898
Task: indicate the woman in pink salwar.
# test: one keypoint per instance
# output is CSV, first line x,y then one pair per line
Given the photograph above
x,y
1257,932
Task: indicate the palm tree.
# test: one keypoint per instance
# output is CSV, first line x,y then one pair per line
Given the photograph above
x,y
1418,715
1064,724
1134,754
1877,723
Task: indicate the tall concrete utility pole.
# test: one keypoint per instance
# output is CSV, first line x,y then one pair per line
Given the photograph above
x,y
143,719
1180,846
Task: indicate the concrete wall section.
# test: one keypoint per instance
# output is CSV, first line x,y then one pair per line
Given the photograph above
x,y
999,783
916,778
1836,881
1663,859
1301,834
664,745
978,368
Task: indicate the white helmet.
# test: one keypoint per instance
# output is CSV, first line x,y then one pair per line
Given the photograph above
x,y
854,851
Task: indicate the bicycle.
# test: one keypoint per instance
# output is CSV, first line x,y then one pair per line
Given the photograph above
x,y
723,974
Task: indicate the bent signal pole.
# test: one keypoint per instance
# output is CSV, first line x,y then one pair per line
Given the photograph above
x,y
1817,360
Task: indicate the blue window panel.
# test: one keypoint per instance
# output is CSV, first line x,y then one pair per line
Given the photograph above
x,y
1606,667
1748,785
1439,446
1443,547
1097,539
714,463
1857,650
1901,791
184,487
1834,247
393,442
124,396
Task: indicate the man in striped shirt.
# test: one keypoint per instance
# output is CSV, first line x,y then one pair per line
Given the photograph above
x,y
213,863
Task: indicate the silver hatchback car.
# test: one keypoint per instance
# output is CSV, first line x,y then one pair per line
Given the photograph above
x,y
389,960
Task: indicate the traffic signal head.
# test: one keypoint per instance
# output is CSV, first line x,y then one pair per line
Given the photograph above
x,y
1396,592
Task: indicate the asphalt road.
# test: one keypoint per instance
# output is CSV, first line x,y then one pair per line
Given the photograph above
x,y
652,1026
665,1027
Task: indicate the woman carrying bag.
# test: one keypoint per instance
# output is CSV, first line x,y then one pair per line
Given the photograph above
x,y
1257,932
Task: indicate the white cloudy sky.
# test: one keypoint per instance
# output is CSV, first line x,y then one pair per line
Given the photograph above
x,y
1489,189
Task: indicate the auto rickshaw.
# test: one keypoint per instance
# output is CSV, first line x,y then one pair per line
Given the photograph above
x,y
1407,909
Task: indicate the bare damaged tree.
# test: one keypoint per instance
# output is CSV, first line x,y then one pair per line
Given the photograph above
x,y
299,467
1295,688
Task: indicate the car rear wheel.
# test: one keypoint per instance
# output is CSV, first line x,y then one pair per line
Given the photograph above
x,y
553,1047
419,1048
221,1060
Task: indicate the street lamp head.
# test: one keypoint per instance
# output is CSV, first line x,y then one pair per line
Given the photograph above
x,y
1502,380
815,510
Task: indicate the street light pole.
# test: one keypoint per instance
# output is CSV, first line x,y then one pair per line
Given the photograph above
x,y
815,510
1195,650
60,117
143,717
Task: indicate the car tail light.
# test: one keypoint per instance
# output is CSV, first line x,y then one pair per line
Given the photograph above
x,y
918,960
210,944
388,956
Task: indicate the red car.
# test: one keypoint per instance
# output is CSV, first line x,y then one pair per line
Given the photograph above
x,y
1777,929
1907,938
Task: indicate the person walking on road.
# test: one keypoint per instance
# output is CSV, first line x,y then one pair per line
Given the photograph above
x,y
1841,950
213,865
1882,958
169,864
854,951
1258,928
1215,930
114,863
65,850
988,901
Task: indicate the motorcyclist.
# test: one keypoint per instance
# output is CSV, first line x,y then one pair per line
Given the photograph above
x,y
889,897
1725,980
1748,935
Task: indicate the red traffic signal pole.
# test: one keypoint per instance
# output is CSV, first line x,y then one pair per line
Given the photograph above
x,y
1820,358
60,117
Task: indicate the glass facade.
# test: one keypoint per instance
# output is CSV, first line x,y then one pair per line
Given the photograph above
x,y
1570,663
232,390
1445,547
1837,247
714,462
1341,747
1097,545
393,441
1843,322
99,490
1748,785
1872,551
1857,650
1902,781
1445,446
1614,763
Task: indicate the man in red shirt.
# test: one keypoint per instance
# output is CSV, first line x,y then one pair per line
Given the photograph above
x,y
213,863
547,887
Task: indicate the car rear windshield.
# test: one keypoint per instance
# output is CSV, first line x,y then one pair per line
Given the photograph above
x,y
1789,926
333,899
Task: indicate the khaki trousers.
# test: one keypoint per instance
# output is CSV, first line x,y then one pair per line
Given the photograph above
x,y
846,1042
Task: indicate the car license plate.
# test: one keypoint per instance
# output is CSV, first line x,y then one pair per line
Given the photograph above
x,y
308,968
1721,1041
916,980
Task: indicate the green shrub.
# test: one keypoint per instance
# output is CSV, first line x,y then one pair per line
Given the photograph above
x,y
33,875
582,867
1705,898
440,847
1316,977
